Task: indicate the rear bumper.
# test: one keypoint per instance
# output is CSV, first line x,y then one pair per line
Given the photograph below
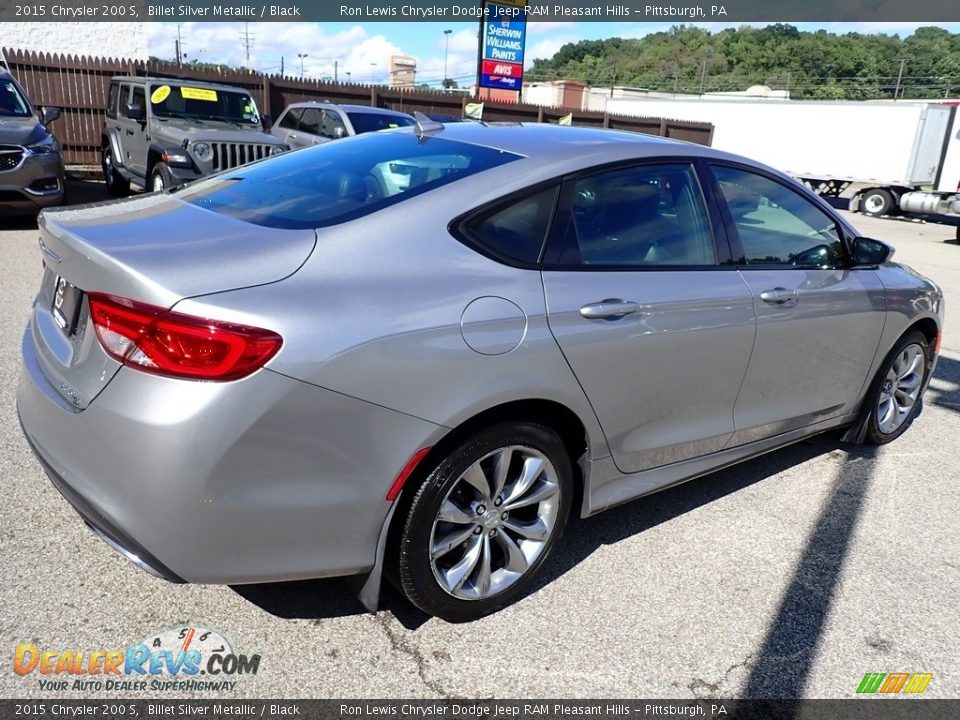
x,y
101,526
262,479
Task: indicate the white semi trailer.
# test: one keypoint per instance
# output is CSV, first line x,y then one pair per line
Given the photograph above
x,y
884,157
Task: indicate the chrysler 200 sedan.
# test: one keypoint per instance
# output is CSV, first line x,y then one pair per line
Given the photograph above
x,y
422,352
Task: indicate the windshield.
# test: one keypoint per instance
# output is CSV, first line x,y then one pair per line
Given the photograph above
x,y
12,101
364,122
340,181
195,103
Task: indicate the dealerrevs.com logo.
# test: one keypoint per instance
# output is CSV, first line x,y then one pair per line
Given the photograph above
x,y
185,658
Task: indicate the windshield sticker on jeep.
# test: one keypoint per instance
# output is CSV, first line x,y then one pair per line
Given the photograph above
x,y
160,94
190,93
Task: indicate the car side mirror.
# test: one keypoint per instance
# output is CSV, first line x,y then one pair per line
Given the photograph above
x,y
867,251
135,111
267,121
339,131
48,115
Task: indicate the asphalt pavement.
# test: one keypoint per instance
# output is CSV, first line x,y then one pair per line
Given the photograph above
x,y
791,575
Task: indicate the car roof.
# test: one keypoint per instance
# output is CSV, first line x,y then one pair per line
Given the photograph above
x,y
345,108
555,142
177,81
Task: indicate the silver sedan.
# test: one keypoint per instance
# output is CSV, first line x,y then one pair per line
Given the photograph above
x,y
422,352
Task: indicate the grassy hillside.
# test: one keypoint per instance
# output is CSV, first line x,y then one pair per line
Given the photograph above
x,y
812,65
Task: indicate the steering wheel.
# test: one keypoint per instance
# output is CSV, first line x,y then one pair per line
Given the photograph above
x,y
817,256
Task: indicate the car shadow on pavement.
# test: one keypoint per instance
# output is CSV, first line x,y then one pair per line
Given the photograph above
x,y
318,599
947,373
584,537
781,668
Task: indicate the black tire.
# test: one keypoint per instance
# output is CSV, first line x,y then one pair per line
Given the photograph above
x,y
876,202
875,433
117,185
161,175
415,574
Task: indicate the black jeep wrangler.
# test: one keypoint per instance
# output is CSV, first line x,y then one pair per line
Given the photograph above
x,y
163,132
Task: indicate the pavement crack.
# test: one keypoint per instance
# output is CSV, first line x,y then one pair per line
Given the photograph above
x,y
698,684
400,644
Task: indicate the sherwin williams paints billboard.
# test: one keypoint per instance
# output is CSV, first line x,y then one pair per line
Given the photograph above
x,y
504,35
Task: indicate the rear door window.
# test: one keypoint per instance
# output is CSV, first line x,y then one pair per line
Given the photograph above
x,y
291,118
310,121
644,216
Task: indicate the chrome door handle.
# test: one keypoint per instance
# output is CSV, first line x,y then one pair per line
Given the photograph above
x,y
291,136
609,309
780,296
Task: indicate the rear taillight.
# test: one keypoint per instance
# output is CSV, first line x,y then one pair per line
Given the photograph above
x,y
160,341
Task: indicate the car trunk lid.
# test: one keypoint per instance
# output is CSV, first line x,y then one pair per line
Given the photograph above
x,y
154,249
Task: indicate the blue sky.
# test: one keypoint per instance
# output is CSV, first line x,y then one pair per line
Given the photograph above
x,y
363,50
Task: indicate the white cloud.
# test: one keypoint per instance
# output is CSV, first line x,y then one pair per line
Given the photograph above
x,y
545,49
351,48
543,28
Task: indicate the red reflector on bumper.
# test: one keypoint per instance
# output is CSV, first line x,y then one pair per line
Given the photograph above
x,y
405,473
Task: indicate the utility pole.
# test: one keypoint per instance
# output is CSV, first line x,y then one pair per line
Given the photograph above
x,y
703,76
446,53
179,47
616,60
247,39
281,66
336,65
896,93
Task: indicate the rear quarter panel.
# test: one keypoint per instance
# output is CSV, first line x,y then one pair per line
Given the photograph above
x,y
376,311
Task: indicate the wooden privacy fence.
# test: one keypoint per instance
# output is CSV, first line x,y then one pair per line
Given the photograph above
x,y
79,85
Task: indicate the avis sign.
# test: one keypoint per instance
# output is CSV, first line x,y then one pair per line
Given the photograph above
x,y
504,35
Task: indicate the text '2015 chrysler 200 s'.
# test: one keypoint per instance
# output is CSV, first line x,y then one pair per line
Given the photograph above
x,y
427,350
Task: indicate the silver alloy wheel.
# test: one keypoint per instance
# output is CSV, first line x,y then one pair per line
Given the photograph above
x,y
158,182
900,389
495,522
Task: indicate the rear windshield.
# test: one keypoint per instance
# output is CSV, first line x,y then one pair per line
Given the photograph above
x,y
199,103
370,122
12,101
340,181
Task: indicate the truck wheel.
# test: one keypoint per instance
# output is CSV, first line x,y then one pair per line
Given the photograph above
x,y
161,178
876,202
117,185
